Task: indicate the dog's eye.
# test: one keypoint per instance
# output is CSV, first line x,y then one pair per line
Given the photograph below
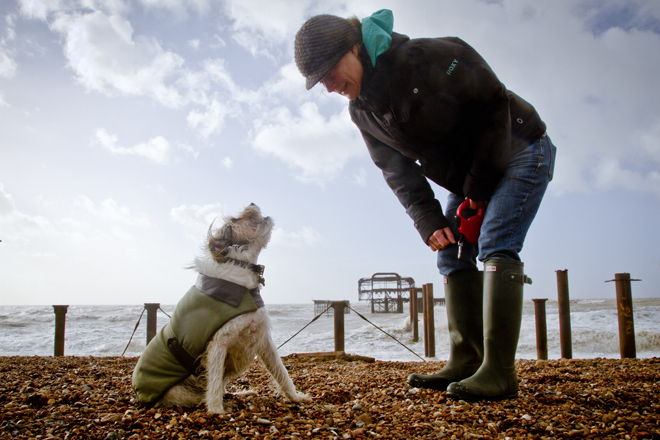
x,y
234,220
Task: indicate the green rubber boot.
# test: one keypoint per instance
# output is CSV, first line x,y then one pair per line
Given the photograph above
x,y
496,379
464,304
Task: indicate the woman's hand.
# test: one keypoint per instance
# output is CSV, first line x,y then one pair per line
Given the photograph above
x,y
441,239
476,205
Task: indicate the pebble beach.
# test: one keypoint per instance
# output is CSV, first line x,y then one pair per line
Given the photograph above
x,y
91,398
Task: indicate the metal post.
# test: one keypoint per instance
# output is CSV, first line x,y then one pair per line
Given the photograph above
x,y
625,312
338,307
152,320
541,329
564,315
429,320
60,324
414,319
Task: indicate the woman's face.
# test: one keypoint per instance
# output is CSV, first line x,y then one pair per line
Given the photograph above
x,y
346,77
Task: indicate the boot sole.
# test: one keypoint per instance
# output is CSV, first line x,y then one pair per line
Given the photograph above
x,y
468,397
429,383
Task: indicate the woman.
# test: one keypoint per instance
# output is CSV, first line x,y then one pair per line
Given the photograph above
x,y
433,109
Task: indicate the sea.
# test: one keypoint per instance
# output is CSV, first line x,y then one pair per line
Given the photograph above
x,y
117,330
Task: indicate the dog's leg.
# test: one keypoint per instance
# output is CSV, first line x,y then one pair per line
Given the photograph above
x,y
271,359
185,394
216,354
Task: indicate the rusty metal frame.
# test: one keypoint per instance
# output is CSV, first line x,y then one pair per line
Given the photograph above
x,y
386,291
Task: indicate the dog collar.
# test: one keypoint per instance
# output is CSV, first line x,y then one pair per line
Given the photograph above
x,y
226,291
256,268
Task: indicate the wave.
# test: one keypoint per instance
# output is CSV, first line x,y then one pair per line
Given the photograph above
x,y
105,330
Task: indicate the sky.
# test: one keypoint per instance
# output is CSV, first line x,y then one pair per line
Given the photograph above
x,y
128,127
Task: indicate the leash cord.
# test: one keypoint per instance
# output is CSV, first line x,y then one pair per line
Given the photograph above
x,y
134,330
315,318
138,323
360,315
424,360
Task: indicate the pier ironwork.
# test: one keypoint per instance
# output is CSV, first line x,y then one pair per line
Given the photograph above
x,y
386,291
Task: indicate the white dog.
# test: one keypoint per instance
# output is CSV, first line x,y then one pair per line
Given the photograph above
x,y
192,359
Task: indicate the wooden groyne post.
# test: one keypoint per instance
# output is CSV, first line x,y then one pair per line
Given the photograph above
x,y
625,313
60,324
429,320
414,318
152,320
338,307
541,329
564,315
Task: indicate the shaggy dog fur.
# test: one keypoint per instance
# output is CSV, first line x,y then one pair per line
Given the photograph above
x,y
233,348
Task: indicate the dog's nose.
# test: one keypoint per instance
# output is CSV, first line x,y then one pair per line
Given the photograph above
x,y
252,204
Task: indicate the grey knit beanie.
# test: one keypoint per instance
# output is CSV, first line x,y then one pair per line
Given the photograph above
x,y
321,43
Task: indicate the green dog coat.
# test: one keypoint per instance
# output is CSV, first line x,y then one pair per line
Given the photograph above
x,y
173,354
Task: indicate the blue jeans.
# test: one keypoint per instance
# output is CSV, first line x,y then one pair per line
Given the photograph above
x,y
510,212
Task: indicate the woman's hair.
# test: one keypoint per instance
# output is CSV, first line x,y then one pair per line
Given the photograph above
x,y
357,24
363,56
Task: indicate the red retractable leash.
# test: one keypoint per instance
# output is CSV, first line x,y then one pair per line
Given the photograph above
x,y
469,227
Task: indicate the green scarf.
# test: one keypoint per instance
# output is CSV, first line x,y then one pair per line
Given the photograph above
x,y
377,33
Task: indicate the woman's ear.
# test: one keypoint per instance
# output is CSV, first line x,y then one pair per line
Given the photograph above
x,y
355,50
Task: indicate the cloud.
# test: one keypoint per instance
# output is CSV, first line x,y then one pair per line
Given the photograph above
x,y
209,122
178,8
306,237
227,162
360,177
217,42
261,25
107,216
43,9
106,58
189,150
110,211
14,224
7,205
39,9
196,216
7,64
632,14
316,147
156,149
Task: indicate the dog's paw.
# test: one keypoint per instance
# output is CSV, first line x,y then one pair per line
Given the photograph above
x,y
215,409
299,397
249,392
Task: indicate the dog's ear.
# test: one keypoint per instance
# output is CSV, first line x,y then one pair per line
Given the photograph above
x,y
219,242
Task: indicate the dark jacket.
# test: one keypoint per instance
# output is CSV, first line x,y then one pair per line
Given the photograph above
x,y
433,108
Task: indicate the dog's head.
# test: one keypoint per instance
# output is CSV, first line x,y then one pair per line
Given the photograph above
x,y
247,234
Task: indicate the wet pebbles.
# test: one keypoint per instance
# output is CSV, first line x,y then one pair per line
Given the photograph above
x,y
91,398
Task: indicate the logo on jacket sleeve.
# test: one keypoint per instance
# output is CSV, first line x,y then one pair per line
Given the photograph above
x,y
452,67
